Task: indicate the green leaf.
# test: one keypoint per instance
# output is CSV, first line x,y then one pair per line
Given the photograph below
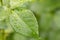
x,y
24,23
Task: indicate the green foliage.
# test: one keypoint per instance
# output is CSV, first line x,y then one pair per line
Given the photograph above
x,y
29,19
21,23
